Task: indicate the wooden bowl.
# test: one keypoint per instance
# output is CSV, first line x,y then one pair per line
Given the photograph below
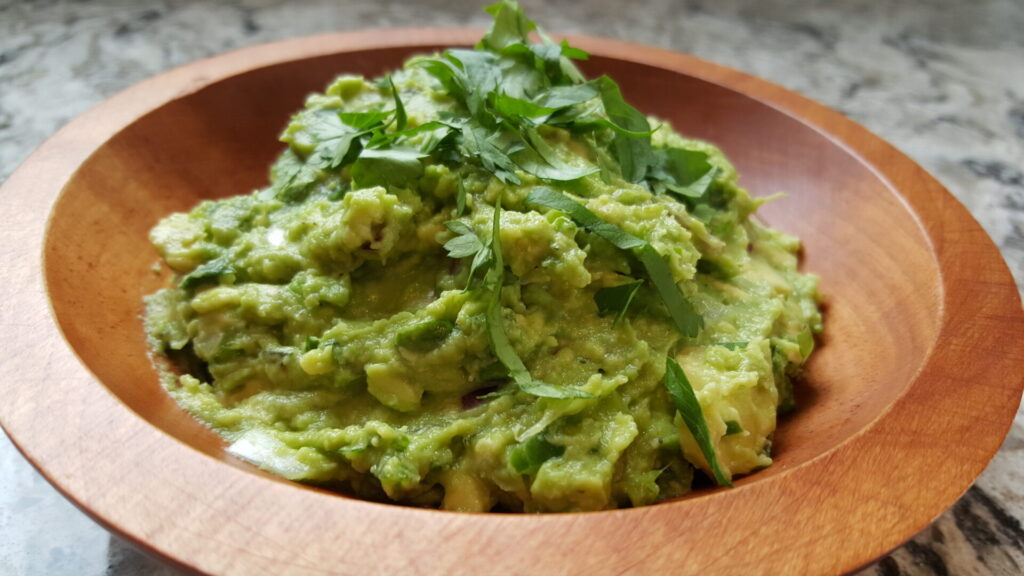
x,y
908,398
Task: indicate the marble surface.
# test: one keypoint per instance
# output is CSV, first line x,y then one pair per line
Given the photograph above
x,y
942,80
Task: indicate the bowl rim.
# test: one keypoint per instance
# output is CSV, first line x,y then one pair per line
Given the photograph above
x,y
137,498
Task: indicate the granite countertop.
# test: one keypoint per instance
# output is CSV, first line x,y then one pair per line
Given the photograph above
x,y
942,80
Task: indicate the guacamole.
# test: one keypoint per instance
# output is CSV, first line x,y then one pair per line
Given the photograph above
x,y
485,282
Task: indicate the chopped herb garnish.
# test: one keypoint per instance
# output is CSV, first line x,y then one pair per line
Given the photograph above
x,y
683,172
633,152
393,167
467,244
685,399
559,98
489,148
400,117
522,110
541,160
500,343
528,457
312,342
334,138
294,174
460,198
507,142
207,272
365,121
616,299
584,217
510,26
424,336
732,427
509,87
685,317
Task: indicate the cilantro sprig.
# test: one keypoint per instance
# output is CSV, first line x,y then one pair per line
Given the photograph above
x,y
361,140
511,87
512,92
685,400
498,338
467,244
488,256
684,316
401,119
339,134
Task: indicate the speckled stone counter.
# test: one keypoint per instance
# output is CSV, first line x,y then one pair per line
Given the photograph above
x,y
942,80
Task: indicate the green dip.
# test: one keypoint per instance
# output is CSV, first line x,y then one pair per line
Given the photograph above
x,y
358,325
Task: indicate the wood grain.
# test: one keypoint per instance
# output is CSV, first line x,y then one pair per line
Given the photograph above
x,y
905,403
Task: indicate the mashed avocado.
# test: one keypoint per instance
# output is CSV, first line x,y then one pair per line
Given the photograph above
x,y
486,282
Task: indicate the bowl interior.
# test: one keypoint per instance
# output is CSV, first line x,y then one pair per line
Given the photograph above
x,y
877,268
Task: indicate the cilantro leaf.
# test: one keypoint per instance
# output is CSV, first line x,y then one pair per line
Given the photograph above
x,y
334,138
479,143
311,343
573,52
528,457
498,338
616,299
560,97
400,118
548,53
479,74
584,217
207,272
445,71
510,86
387,167
732,427
567,71
683,314
436,134
364,121
292,176
541,160
683,396
424,336
552,106
589,115
467,244
460,197
680,171
515,108
510,26
338,136
633,152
